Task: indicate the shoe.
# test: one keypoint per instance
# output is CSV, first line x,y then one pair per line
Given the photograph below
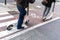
x,y
44,19
24,25
21,28
48,19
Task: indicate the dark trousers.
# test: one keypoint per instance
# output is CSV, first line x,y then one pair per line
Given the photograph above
x,y
21,16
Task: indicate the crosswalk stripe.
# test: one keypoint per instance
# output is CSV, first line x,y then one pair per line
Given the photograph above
x,y
6,33
4,13
6,20
6,17
8,23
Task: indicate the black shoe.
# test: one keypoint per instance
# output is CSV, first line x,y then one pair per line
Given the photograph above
x,y
21,28
48,19
44,19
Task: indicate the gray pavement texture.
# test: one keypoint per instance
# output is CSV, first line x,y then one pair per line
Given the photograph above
x,y
50,31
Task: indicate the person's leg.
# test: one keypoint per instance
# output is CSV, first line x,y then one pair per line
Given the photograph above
x,y
44,12
47,11
21,16
44,17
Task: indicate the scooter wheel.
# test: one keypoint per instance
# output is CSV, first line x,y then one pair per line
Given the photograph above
x,y
9,27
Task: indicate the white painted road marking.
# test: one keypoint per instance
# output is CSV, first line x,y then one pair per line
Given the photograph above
x,y
4,13
6,17
8,23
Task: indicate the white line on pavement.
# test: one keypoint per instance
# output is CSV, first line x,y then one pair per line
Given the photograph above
x,y
8,23
6,17
4,13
